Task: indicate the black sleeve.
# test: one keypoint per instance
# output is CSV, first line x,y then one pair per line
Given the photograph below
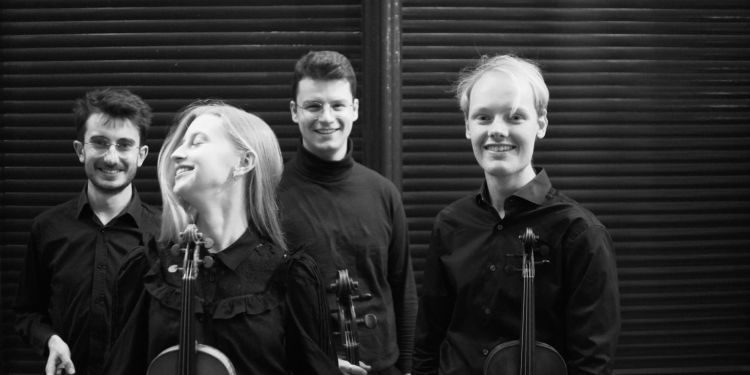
x,y
309,342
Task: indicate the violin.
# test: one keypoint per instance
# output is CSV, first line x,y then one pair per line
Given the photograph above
x,y
189,357
345,288
526,356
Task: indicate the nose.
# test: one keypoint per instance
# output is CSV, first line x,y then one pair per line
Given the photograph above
x,y
111,154
178,153
326,114
498,128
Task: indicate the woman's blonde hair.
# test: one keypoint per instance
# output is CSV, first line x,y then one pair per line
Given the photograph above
x,y
247,132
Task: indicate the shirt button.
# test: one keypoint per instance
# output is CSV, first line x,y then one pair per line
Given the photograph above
x,y
485,352
499,227
492,267
487,311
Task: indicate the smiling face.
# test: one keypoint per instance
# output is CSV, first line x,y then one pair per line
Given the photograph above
x,y
325,111
205,159
503,125
110,169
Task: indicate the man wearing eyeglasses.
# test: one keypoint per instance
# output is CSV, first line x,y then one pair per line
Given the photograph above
x,y
348,217
85,257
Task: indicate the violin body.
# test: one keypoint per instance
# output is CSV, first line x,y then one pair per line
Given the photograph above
x,y
208,361
503,360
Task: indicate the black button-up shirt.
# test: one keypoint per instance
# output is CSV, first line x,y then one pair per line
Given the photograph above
x,y
77,276
472,293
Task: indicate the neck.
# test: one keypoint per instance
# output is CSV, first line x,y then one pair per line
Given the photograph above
x,y
502,187
222,218
108,205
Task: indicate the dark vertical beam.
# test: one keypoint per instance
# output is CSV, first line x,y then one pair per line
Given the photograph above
x,y
380,103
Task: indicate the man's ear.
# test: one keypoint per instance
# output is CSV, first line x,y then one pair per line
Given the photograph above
x,y
142,152
78,147
355,108
247,163
466,124
543,122
293,111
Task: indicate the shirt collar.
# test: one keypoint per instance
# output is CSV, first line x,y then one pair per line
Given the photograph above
x,y
240,250
134,208
535,191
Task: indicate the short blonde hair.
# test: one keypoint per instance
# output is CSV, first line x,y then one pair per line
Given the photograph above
x,y
520,70
247,132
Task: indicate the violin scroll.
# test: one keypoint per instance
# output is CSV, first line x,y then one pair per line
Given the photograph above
x,y
345,289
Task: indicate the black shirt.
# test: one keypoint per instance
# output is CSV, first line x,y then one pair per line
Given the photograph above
x,y
472,291
78,277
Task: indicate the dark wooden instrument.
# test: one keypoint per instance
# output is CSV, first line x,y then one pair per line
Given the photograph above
x,y
526,356
345,289
189,357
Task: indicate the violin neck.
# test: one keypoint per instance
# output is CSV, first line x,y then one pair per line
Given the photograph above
x,y
528,329
187,348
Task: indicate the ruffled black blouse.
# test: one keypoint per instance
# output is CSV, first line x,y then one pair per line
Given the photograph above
x,y
263,309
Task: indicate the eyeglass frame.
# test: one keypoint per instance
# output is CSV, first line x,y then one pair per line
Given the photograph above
x,y
318,113
103,147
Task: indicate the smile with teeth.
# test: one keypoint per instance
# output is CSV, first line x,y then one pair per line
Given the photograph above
x,y
182,170
326,130
499,147
109,171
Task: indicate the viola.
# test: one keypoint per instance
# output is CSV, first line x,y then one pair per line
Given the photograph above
x,y
345,289
526,356
190,357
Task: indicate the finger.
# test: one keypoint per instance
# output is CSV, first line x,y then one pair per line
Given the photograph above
x,y
69,368
364,366
50,368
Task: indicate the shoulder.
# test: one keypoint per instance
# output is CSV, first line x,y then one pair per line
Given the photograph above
x,y
58,214
570,210
460,210
298,268
373,181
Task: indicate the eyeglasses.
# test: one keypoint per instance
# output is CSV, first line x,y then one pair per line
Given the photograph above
x,y
102,146
316,109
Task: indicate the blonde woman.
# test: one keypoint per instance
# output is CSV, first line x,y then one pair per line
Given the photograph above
x,y
218,169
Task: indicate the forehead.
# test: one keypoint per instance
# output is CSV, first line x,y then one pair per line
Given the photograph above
x,y
317,89
99,124
206,123
500,88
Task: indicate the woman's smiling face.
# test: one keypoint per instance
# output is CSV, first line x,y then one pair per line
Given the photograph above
x,y
205,158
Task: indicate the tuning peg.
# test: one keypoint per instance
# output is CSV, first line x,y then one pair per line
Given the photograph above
x,y
362,297
208,261
370,321
173,268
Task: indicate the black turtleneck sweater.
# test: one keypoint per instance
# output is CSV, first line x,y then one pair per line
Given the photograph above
x,y
347,216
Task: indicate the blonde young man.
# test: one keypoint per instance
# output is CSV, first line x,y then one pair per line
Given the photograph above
x,y
472,293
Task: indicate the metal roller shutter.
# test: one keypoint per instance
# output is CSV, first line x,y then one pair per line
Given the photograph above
x,y
649,125
168,52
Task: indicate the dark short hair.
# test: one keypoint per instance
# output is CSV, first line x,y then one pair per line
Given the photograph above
x,y
114,103
324,65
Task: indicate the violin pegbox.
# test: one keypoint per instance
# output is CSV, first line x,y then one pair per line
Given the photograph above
x,y
194,247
